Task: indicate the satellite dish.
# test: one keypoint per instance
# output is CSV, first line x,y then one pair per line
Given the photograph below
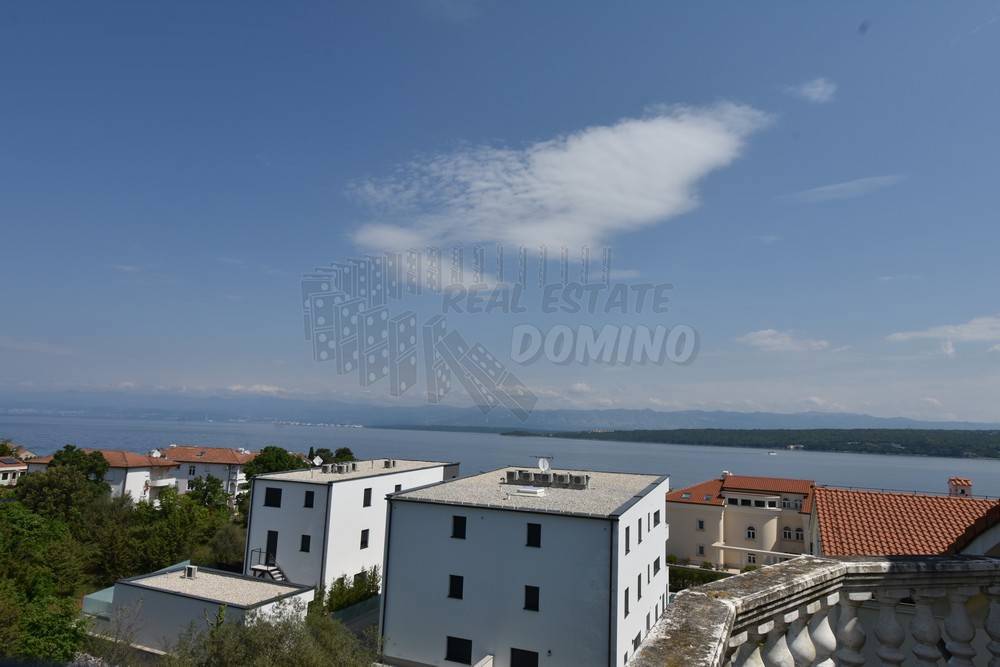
x,y
543,464
317,461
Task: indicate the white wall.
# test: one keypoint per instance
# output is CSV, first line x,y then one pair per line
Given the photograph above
x,y
291,520
11,475
231,475
638,562
572,569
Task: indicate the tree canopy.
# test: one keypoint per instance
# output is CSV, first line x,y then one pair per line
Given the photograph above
x,y
93,465
273,459
340,455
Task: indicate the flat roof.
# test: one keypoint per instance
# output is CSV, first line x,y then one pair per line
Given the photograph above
x,y
366,468
217,586
608,493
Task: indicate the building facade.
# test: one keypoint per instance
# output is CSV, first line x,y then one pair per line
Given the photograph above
x,y
11,469
507,566
139,476
223,463
313,526
735,521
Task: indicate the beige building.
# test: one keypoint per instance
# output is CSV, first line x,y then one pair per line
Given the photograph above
x,y
734,521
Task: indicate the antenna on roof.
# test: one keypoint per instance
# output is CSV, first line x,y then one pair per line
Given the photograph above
x,y
545,462
317,461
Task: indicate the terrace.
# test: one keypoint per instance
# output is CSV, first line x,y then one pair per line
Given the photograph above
x,y
822,612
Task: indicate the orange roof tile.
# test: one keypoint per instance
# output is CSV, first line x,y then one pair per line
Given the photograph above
x,y
960,481
875,523
710,491
118,458
197,454
706,493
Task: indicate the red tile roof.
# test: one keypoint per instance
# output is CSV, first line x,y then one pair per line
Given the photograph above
x,y
197,454
117,458
978,527
11,462
875,523
960,481
710,491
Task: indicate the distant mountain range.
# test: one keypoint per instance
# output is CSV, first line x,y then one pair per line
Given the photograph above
x,y
185,407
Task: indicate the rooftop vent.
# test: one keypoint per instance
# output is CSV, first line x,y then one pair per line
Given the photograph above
x,y
190,571
389,463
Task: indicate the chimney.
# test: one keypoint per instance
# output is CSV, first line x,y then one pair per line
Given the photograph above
x,y
959,486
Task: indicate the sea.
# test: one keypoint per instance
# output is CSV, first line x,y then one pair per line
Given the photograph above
x,y
686,464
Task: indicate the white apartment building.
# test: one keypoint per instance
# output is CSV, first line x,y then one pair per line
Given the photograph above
x,y
11,469
137,475
222,463
314,526
520,568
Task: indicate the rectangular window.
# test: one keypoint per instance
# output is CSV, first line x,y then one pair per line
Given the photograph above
x,y
458,650
628,545
701,549
649,573
626,603
656,566
701,524
310,496
456,586
745,502
304,543
534,535
191,471
734,501
656,518
639,538
368,498
521,658
458,527
759,503
531,598
638,587
647,622
272,497
636,641
786,533
397,488
364,538
751,559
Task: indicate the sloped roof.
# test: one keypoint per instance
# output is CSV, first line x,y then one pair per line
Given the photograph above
x,y
705,493
710,491
198,454
960,481
11,462
856,522
118,458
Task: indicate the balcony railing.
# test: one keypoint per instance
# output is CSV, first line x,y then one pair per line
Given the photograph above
x,y
821,612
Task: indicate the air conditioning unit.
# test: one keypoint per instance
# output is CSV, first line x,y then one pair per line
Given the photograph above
x,y
524,475
511,476
190,571
560,478
327,468
579,480
542,478
387,463
354,467
341,467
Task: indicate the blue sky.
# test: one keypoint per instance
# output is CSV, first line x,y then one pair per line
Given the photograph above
x,y
818,182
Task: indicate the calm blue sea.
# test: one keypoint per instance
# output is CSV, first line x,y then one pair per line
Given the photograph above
x,y
685,464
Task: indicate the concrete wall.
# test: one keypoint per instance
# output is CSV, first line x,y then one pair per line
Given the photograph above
x,y
572,569
685,536
638,564
223,471
9,476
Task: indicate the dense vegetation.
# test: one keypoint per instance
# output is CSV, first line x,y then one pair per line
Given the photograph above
x,y
912,442
62,535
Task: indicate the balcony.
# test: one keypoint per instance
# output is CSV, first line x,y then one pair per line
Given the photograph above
x,y
821,612
157,482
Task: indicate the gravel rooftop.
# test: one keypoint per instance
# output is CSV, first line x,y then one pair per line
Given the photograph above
x,y
606,493
221,588
367,468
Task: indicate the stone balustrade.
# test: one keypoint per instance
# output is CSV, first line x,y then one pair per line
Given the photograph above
x,y
822,612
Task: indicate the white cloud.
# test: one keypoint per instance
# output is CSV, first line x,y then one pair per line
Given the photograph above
x,y
33,346
848,189
260,389
933,402
817,91
568,191
772,340
977,330
823,404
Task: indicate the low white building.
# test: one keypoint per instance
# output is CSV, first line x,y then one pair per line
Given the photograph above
x,y
223,463
137,475
313,526
159,607
11,469
523,568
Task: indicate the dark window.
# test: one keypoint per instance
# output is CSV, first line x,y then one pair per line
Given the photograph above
x,y
759,503
647,621
701,524
638,587
626,603
458,527
628,542
656,518
649,573
368,498
364,538
636,641
521,658
656,566
531,598
456,586
191,471
304,543
397,488
534,534
745,502
734,501
272,497
459,650
639,533
310,496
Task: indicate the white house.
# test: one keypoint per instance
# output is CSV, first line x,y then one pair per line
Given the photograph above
x,y
159,607
222,463
11,469
313,526
137,475
519,568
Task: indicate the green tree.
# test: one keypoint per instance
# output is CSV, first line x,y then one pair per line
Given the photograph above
x,y
208,492
341,455
50,629
61,492
7,448
228,545
93,465
38,554
364,585
273,459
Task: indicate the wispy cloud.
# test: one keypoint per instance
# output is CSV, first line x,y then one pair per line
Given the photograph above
x,y
259,389
818,91
571,190
859,187
977,330
33,346
772,340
